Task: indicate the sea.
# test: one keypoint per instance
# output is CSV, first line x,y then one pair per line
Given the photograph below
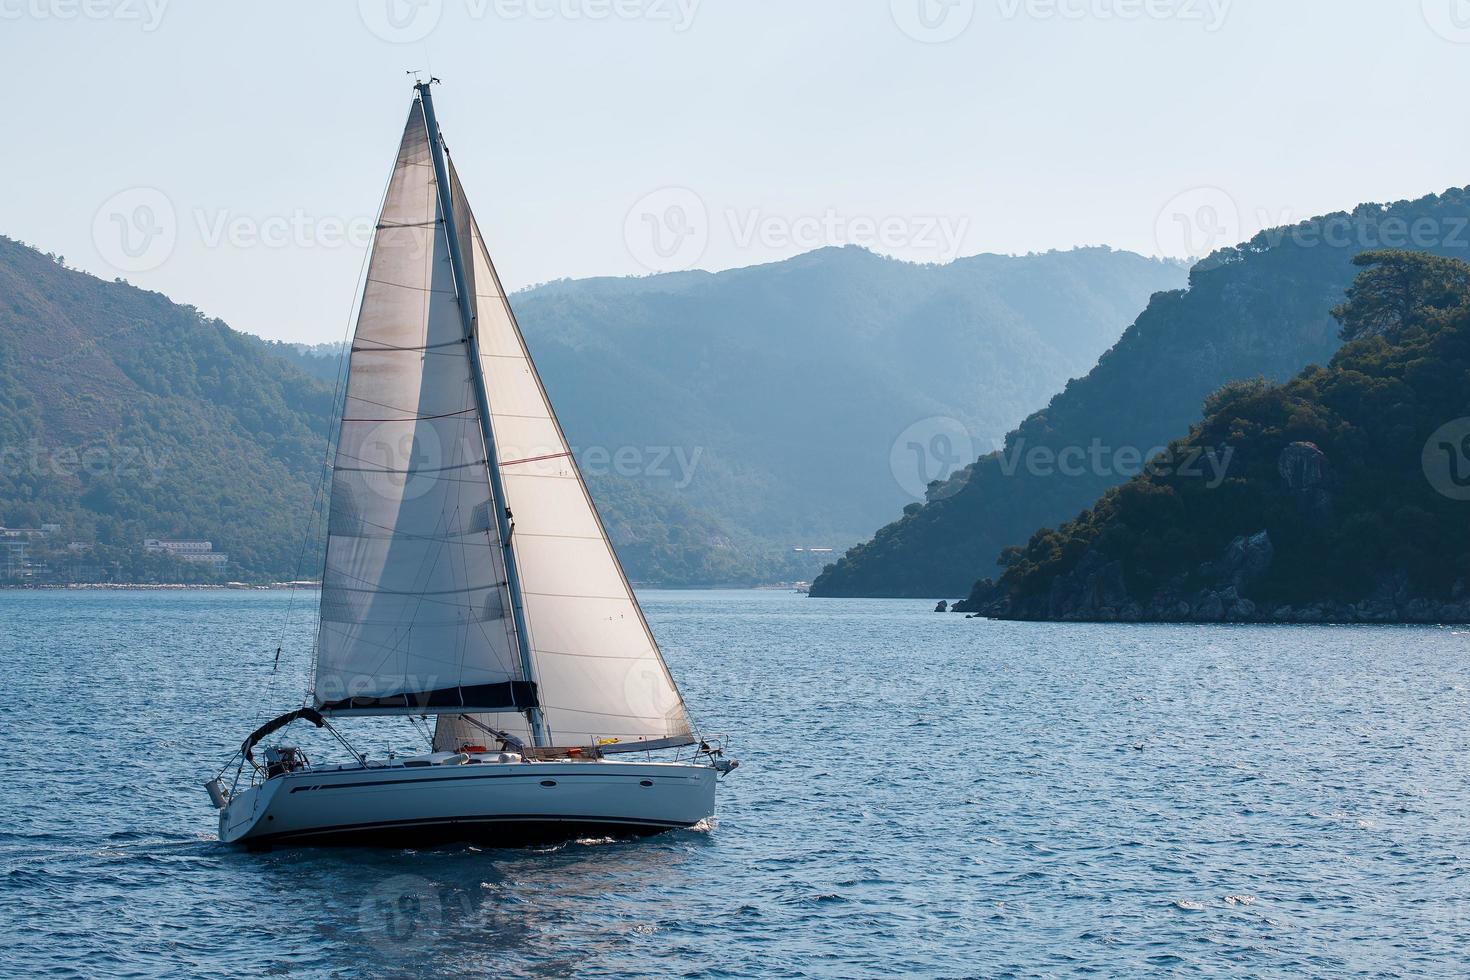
x,y
919,795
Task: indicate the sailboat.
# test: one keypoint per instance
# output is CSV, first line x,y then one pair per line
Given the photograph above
x,y
468,579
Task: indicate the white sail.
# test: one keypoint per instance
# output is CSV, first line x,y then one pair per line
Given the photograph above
x,y
599,672
415,610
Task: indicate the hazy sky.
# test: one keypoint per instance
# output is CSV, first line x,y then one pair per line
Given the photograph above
x,y
231,155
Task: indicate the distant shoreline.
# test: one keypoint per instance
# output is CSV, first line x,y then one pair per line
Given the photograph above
x,y
161,586
312,586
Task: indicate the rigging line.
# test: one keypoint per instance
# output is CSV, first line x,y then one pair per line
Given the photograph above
x,y
393,649
448,536
368,401
423,732
353,458
645,654
432,681
463,607
417,418
535,459
413,592
404,285
560,537
440,482
600,714
442,603
537,418
391,348
575,595
542,475
392,472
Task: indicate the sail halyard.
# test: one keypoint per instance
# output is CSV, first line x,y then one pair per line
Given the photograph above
x,y
415,613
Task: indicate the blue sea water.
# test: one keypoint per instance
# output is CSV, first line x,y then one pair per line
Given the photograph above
x,y
920,795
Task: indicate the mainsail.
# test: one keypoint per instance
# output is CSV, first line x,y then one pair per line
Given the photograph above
x,y
415,606
418,608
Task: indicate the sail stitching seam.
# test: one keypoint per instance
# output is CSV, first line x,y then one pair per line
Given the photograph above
x,y
534,459
441,469
390,349
417,418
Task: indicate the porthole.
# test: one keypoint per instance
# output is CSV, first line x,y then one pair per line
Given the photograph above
x,y
646,782
548,782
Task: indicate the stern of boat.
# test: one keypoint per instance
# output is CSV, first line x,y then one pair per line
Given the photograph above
x,y
242,812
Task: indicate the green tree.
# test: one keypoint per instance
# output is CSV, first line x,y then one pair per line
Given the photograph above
x,y
1399,291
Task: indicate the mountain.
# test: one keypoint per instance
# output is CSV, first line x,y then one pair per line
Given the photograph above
x,y
1343,495
721,418
125,416
1260,309
772,396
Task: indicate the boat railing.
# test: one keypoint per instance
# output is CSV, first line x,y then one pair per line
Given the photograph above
x,y
713,745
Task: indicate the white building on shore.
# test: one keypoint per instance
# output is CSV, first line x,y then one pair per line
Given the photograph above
x,y
194,552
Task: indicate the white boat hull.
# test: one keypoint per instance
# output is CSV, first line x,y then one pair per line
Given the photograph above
x,y
500,805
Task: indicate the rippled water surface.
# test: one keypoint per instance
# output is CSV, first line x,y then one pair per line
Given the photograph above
x,y
919,795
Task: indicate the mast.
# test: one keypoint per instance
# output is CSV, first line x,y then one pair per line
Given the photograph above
x,y
482,400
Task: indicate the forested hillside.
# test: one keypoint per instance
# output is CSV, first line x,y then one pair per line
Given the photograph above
x,y
722,420
1257,310
1344,493
777,392
125,416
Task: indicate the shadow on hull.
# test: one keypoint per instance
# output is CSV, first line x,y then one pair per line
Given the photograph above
x,y
488,832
